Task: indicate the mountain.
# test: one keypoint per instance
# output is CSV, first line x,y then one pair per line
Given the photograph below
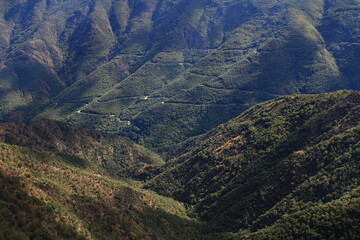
x,y
285,169
160,71
112,153
43,196
179,119
49,190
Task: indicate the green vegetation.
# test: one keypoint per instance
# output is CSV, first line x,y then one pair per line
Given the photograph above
x,y
286,157
83,147
163,73
45,195
100,64
284,169
334,220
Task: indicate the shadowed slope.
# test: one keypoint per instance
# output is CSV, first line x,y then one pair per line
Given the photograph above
x,y
278,158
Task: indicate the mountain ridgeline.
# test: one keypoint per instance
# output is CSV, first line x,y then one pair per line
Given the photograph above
x,y
158,71
116,155
61,182
179,119
285,169
282,170
45,195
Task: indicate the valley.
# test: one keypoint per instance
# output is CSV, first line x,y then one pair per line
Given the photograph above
x,y
192,58
282,163
179,119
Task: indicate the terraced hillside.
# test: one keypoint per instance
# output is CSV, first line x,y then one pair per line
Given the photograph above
x,y
159,71
285,169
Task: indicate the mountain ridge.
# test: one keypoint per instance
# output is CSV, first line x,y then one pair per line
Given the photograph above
x,y
145,62
179,119
292,162
45,196
115,155
275,159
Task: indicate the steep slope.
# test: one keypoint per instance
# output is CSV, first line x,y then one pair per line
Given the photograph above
x,y
276,166
113,154
335,220
43,196
139,67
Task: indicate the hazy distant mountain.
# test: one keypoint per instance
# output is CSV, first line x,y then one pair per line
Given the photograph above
x,y
160,71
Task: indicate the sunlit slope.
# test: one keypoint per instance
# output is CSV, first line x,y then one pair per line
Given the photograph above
x,y
111,153
159,71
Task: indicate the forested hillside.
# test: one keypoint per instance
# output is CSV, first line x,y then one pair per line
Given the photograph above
x,y
159,71
44,196
289,167
284,169
66,185
179,119
114,154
